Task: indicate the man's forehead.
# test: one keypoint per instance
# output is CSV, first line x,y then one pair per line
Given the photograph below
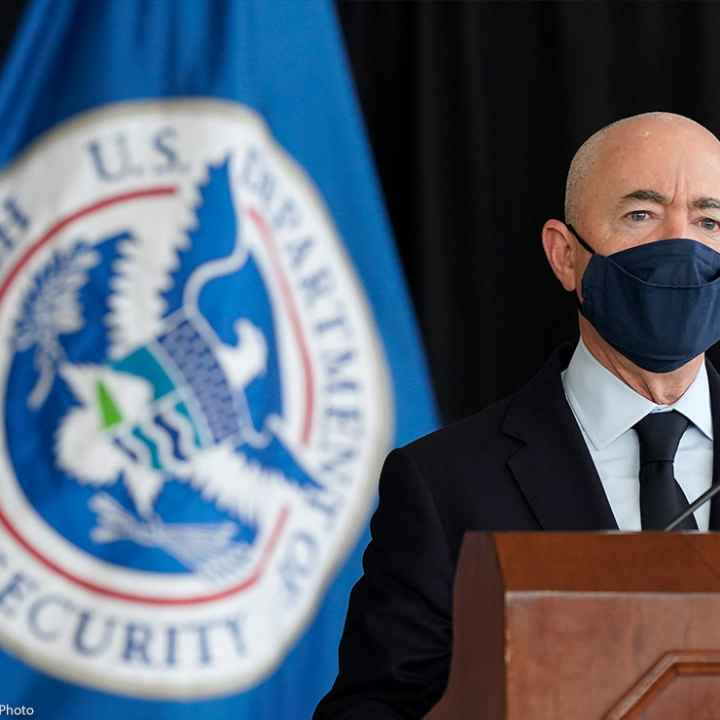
x,y
660,152
659,164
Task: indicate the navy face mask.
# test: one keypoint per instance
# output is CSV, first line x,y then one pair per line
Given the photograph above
x,y
658,304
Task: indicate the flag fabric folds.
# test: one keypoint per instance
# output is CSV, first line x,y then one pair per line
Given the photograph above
x,y
207,350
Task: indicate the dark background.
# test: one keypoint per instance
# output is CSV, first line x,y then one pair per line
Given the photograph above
x,y
474,111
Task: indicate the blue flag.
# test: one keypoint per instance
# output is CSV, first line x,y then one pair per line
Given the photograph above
x,y
207,351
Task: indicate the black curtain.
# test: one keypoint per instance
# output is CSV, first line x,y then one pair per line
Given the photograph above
x,y
474,111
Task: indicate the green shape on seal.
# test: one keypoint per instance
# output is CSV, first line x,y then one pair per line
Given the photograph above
x,y
109,411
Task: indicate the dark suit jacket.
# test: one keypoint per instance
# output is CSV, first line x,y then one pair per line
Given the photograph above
x,y
521,464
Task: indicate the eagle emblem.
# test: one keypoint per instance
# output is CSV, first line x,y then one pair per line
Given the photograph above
x,y
184,396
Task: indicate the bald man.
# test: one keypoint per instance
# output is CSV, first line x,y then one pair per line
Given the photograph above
x,y
616,433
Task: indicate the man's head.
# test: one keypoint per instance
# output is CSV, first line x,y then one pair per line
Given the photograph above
x,y
641,179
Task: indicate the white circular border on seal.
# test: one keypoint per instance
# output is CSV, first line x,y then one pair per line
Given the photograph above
x,y
226,641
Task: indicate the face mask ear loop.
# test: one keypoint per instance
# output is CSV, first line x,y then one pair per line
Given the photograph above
x,y
580,240
591,251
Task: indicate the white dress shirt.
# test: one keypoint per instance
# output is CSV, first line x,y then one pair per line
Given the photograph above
x,y
606,410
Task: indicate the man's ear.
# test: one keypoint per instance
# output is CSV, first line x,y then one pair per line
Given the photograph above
x,y
561,251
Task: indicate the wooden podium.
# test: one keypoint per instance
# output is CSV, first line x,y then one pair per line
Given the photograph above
x,y
566,626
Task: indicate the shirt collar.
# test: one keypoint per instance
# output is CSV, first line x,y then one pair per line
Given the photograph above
x,y
695,403
606,407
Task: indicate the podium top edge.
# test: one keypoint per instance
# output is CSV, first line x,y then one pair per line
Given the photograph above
x,y
632,562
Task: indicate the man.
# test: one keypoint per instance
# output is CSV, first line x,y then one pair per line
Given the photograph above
x,y
615,434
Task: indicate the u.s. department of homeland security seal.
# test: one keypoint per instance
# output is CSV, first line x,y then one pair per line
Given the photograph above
x,y
195,400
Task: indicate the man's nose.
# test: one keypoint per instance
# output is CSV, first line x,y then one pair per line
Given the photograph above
x,y
676,225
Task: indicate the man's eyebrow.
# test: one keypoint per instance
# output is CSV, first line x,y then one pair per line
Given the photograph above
x,y
706,203
701,203
647,195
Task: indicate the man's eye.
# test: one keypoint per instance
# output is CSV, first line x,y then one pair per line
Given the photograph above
x,y
638,215
709,224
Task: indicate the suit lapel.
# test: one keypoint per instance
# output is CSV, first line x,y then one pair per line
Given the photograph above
x,y
553,468
714,383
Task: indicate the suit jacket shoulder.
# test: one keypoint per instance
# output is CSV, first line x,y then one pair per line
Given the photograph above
x,y
464,469
396,645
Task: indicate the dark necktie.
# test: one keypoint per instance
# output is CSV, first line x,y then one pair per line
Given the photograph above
x,y
661,498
